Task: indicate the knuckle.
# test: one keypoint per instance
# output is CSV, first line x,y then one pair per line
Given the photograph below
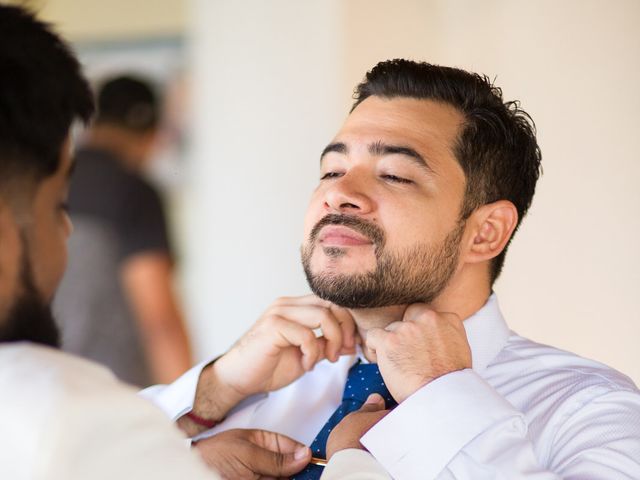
x,y
281,301
329,326
429,317
270,320
323,315
308,336
272,310
393,341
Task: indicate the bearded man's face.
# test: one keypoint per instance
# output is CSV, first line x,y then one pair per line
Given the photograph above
x,y
29,318
383,226
33,230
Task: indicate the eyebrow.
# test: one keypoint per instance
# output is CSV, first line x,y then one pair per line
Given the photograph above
x,y
337,147
380,148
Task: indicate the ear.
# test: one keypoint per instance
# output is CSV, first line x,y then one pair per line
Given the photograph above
x,y
489,229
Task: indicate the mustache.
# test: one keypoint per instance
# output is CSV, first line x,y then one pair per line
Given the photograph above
x,y
368,229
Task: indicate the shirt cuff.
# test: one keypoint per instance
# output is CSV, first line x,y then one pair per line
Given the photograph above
x,y
431,426
354,464
177,398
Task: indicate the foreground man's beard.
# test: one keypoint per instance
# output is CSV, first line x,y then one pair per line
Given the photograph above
x,y
417,274
29,318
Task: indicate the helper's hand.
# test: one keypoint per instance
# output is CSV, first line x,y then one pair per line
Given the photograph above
x,y
349,431
277,350
251,454
422,347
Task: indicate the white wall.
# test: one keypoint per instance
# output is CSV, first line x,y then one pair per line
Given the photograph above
x,y
273,81
82,20
268,99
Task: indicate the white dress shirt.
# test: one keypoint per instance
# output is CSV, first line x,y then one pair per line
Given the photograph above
x,y
523,411
66,418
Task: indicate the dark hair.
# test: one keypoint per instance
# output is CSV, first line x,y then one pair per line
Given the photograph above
x,y
497,147
128,102
42,91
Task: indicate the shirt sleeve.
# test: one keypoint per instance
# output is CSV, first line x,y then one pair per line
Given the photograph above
x,y
176,399
459,427
142,226
354,464
101,430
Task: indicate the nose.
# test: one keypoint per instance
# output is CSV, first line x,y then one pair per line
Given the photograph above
x,y
349,194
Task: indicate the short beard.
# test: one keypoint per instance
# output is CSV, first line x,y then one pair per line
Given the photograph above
x,y
29,318
417,274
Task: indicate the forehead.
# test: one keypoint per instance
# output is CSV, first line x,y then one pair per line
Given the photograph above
x,y
429,126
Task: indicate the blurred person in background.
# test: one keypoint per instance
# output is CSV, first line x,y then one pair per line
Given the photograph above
x,y
117,304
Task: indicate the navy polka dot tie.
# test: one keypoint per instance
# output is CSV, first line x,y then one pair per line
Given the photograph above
x,y
363,380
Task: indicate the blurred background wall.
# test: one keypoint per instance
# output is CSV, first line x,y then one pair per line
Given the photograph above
x,y
272,81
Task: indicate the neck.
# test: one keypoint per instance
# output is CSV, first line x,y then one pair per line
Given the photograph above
x,y
464,296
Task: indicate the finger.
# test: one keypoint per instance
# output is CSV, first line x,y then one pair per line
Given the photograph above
x,y
393,326
313,316
277,455
415,311
348,326
275,442
274,464
322,349
373,403
317,313
375,338
332,332
357,340
302,300
374,343
293,334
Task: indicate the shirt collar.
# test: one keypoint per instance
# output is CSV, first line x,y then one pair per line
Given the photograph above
x,y
487,333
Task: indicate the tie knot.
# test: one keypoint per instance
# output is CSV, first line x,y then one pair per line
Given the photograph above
x,y
363,380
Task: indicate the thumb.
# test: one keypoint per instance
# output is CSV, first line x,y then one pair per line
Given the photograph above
x,y
374,403
374,341
277,455
374,338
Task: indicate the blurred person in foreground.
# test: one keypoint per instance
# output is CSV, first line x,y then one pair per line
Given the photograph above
x,y
63,417
116,303
420,193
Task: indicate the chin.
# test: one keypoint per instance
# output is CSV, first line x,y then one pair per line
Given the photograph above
x,y
340,261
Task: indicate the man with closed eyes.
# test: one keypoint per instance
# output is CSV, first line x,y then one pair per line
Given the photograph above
x,y
420,194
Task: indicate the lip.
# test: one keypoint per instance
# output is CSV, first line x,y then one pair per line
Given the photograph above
x,y
338,235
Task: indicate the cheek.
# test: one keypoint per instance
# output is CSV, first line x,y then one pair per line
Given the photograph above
x,y
409,222
50,257
315,213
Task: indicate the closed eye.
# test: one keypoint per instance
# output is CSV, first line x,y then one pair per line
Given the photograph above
x,y
396,179
329,175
